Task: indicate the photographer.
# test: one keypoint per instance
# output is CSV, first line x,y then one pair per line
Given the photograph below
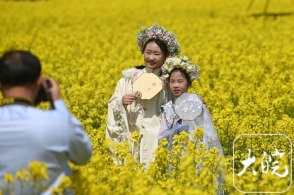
x,y
29,134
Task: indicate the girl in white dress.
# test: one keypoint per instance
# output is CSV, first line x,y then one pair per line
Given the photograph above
x,y
180,73
128,113
187,112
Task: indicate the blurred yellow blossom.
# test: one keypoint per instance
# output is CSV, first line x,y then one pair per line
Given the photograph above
x,y
8,178
38,170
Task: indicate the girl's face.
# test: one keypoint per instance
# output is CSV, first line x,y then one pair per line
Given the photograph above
x,y
178,83
153,56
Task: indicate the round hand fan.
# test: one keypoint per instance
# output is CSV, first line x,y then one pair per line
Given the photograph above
x,y
147,86
188,106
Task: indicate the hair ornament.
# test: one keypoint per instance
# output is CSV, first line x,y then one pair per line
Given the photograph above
x,y
180,62
158,32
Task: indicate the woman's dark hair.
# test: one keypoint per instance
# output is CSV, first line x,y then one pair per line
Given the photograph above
x,y
184,73
160,44
140,67
19,67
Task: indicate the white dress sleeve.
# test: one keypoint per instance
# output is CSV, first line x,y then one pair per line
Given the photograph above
x,y
117,126
166,121
210,137
122,120
211,140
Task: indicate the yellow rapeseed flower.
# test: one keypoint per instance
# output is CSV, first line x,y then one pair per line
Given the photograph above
x,y
8,178
38,170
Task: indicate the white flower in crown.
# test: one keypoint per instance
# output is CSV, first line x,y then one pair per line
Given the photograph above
x,y
180,62
158,32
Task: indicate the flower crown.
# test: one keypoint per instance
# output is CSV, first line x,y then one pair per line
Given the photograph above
x,y
158,32
180,62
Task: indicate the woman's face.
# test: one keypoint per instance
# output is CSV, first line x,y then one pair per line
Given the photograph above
x,y
178,83
153,56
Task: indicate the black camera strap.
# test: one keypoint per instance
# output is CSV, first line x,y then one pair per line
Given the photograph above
x,y
20,101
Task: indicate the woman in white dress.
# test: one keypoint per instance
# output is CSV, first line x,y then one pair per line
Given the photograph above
x,y
128,113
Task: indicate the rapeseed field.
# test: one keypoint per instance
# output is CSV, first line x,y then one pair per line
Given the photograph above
x,y
246,57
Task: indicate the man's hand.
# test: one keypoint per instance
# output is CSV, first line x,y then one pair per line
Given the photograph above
x,y
52,88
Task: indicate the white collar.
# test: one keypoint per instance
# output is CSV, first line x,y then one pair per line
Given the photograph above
x,y
154,71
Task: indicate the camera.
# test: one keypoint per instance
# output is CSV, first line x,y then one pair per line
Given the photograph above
x,y
44,94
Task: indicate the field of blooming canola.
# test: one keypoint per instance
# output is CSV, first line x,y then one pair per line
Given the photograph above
x,y
247,81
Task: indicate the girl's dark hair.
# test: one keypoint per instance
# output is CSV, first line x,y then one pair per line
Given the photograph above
x,y
160,44
184,73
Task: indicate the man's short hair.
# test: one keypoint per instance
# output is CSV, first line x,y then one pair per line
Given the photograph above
x,y
18,67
